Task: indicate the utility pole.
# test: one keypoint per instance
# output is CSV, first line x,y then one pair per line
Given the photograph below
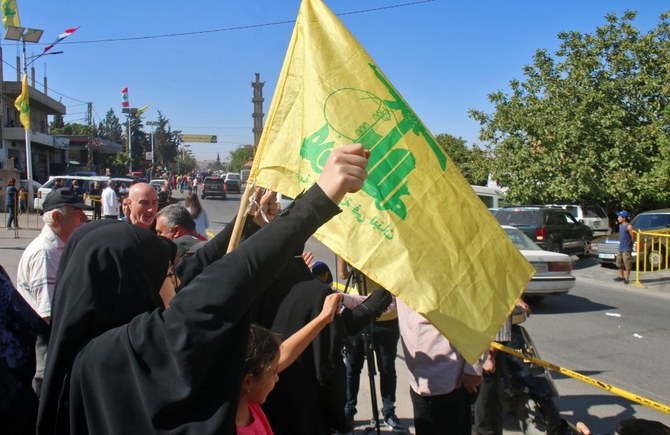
x,y
130,112
91,128
258,110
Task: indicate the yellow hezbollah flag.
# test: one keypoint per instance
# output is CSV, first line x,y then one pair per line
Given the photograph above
x,y
10,14
22,103
416,227
141,110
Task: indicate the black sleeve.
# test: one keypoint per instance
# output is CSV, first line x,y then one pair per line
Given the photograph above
x,y
181,368
214,249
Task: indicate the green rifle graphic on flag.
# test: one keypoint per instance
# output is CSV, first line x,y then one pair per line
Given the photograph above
x,y
380,132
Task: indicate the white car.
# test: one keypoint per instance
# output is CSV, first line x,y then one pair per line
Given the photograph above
x,y
158,183
67,180
553,270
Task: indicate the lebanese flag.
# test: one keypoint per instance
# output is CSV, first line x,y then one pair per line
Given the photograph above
x,y
124,98
62,36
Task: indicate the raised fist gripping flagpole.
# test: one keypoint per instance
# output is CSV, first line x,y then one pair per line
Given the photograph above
x,y
416,227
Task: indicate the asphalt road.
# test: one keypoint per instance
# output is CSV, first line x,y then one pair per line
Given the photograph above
x,y
614,333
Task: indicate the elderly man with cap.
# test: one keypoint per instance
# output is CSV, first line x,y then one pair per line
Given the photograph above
x,y
626,239
36,275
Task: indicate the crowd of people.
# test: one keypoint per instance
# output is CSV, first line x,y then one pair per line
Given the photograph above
x,y
142,324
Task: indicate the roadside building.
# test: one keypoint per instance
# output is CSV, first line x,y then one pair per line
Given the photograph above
x,y
47,157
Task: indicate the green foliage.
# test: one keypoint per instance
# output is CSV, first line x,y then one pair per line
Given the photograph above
x,y
166,142
110,128
589,124
120,163
472,163
57,122
72,129
240,156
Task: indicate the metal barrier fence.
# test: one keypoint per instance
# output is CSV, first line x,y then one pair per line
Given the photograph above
x,y
651,252
25,214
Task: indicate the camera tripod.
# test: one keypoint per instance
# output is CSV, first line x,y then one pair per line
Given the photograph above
x,y
357,278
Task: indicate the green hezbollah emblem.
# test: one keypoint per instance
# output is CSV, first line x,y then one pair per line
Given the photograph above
x,y
379,131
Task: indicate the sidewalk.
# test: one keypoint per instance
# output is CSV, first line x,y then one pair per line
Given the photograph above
x,y
11,248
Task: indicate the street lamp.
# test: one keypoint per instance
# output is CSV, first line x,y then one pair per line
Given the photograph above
x,y
153,158
131,112
26,35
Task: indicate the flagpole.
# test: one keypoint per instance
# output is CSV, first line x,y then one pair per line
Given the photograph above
x,y
239,220
28,135
130,145
130,112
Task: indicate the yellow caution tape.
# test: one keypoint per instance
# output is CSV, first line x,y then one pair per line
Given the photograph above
x,y
607,387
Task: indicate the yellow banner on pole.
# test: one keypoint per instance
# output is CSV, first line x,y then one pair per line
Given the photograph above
x,y
207,138
22,103
417,227
10,14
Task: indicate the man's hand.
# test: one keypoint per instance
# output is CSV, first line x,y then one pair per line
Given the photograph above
x,y
524,305
344,171
490,363
469,382
268,207
308,258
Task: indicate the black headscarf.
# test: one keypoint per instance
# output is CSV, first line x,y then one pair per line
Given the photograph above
x,y
108,274
169,371
309,397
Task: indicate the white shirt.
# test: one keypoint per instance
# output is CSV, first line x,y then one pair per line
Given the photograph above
x,y
434,365
36,275
201,222
110,202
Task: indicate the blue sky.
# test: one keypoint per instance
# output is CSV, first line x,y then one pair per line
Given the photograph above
x,y
443,56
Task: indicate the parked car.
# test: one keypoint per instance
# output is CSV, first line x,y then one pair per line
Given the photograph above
x,y
552,228
592,215
163,189
652,220
158,183
67,180
553,270
233,182
35,184
213,186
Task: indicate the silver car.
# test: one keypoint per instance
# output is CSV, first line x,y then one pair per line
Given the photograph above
x,y
553,270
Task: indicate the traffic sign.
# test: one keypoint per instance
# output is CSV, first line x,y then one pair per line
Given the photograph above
x,y
207,138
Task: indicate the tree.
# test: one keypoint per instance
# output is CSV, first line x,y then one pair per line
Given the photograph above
x,y
240,156
590,124
57,122
72,129
120,162
166,142
472,163
110,128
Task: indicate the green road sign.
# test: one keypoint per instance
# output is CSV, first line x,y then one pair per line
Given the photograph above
x,y
207,138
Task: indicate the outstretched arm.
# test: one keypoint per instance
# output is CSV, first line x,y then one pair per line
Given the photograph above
x,y
295,345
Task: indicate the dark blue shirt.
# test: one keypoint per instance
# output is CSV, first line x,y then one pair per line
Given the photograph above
x,y
625,240
10,199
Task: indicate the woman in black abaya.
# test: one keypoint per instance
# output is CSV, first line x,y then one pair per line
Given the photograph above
x,y
108,274
119,363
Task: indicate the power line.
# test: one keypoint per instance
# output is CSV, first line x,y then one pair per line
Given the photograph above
x,y
225,29
48,88
235,28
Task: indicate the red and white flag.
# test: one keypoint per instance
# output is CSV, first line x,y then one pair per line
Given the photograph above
x,y
125,103
62,36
